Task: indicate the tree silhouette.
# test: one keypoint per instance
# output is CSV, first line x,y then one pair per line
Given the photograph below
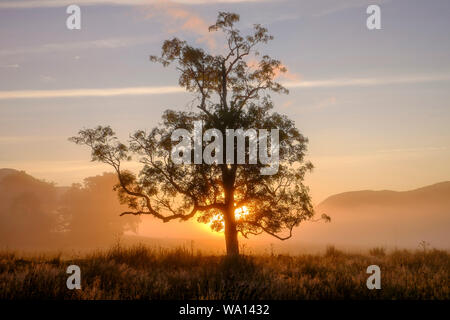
x,y
89,212
28,210
230,93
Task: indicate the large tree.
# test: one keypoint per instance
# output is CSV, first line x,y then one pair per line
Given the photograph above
x,y
231,93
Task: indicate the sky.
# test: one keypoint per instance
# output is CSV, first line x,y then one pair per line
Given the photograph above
x,y
373,103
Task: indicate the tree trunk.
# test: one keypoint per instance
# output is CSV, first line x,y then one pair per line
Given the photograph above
x,y
231,234
231,237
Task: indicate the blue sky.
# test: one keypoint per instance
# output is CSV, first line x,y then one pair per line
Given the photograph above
x,y
374,104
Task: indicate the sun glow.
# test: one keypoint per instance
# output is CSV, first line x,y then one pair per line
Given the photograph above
x,y
239,214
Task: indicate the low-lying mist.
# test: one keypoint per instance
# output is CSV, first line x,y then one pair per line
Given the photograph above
x,y
37,215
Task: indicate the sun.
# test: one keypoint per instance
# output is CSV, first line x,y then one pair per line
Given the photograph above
x,y
239,214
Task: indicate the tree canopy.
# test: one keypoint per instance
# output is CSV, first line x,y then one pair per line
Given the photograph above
x,y
230,92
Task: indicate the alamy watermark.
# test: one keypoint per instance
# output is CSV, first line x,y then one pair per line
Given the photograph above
x,y
74,280
373,21
374,281
214,150
73,21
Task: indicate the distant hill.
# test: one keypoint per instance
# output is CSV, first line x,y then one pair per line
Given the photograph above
x,y
5,172
436,194
389,218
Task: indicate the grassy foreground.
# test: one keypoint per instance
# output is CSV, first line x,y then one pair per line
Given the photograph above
x,y
142,273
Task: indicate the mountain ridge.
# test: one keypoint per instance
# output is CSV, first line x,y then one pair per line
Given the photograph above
x,y
437,192
385,217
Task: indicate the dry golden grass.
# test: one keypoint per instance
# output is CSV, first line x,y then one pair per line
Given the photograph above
x,y
141,273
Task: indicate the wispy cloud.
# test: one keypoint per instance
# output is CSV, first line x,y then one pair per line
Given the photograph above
x,y
24,4
135,91
177,17
10,66
78,93
362,82
414,150
330,7
110,43
46,79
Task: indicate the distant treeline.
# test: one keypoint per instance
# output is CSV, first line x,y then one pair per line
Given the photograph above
x,y
36,213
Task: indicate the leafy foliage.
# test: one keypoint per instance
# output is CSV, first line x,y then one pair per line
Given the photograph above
x,y
230,94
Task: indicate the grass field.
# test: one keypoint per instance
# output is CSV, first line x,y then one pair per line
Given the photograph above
x,y
139,272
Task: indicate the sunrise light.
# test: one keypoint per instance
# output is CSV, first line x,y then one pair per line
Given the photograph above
x,y
239,214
